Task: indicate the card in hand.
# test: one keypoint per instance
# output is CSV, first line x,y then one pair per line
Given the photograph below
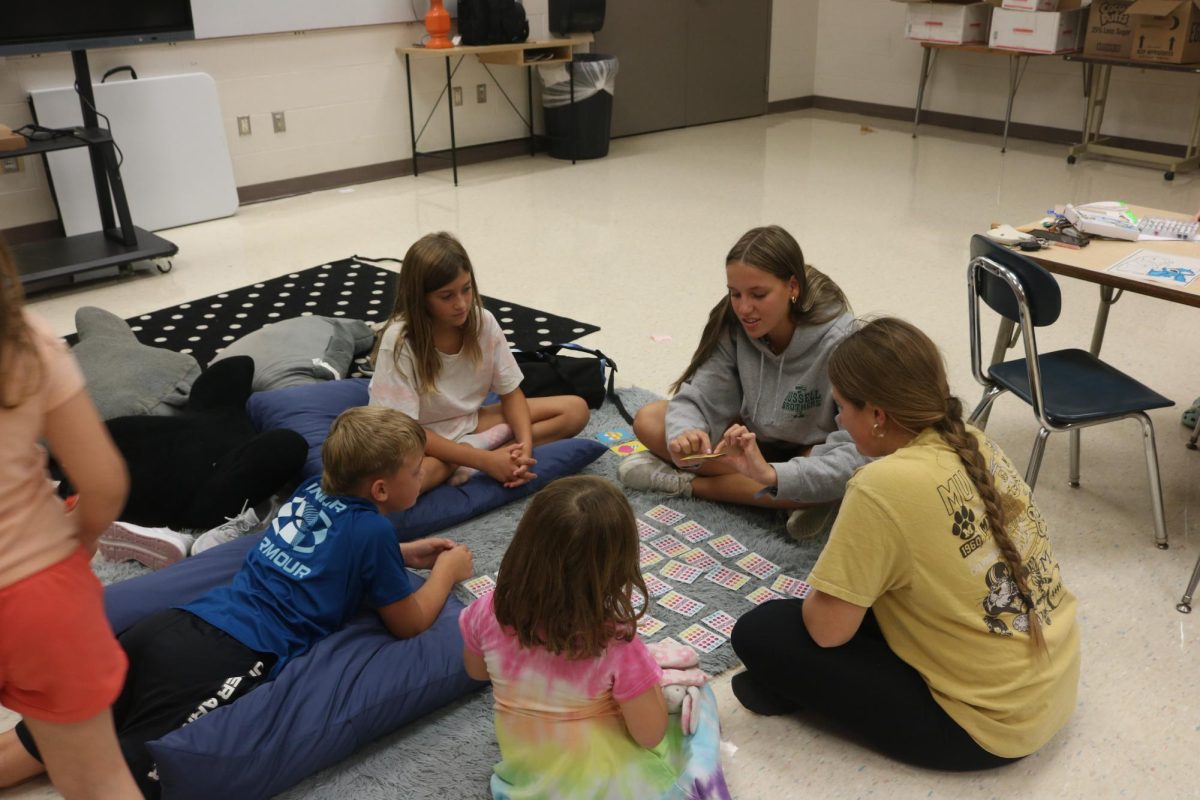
x,y
480,585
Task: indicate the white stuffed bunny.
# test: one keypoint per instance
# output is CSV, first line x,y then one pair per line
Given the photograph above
x,y
681,680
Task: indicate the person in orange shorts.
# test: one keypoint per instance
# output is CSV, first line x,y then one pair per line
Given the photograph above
x,y
60,666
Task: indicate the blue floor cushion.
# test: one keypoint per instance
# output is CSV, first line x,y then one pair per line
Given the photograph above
x,y
310,410
352,688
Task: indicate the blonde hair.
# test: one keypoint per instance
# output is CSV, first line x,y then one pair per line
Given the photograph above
x,y
894,365
431,262
20,364
367,442
566,578
774,251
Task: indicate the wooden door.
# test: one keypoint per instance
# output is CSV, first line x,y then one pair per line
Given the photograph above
x,y
728,58
649,38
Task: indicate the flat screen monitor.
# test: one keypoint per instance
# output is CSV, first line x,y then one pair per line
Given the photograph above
x,y
50,27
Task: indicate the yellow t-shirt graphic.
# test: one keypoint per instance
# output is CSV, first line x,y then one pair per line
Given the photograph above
x,y
912,542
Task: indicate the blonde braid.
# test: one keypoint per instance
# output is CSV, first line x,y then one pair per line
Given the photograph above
x,y
955,434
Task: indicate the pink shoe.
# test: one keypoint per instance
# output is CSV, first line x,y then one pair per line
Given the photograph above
x,y
152,547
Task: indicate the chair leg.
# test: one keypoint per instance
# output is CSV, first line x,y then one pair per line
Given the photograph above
x,y
1195,434
985,402
1185,604
1035,458
1073,478
1160,524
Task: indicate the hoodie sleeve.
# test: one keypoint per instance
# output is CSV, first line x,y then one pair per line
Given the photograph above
x,y
710,401
820,476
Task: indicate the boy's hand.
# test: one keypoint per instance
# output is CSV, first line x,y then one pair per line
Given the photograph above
x,y
457,561
422,553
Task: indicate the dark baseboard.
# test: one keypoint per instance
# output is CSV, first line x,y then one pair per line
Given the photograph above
x,y
791,104
436,160
1017,130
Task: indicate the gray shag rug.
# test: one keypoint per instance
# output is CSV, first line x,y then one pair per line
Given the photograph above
x,y
450,753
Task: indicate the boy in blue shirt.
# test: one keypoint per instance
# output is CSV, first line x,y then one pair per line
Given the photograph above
x,y
327,552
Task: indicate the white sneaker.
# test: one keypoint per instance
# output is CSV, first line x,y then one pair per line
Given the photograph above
x,y
227,531
811,522
152,547
649,473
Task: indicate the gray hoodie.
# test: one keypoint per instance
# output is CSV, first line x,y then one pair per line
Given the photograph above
x,y
784,399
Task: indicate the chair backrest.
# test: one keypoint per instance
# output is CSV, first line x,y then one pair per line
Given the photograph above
x,y
1040,288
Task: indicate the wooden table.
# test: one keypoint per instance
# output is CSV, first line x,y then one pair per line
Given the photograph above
x,y
533,53
1096,73
1016,70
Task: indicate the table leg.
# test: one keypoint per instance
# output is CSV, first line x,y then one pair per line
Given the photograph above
x,y
1016,70
529,84
450,106
412,120
928,59
574,115
1108,297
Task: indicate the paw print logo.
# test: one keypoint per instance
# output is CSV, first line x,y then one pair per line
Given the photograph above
x,y
964,523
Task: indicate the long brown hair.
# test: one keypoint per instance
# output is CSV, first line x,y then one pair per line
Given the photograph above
x,y
431,262
20,366
774,251
894,365
565,580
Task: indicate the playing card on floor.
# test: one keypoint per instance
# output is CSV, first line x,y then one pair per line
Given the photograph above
x,y
648,626
646,530
793,586
670,546
648,556
680,604
699,559
727,546
758,566
729,578
762,594
701,638
678,571
667,516
655,585
693,531
721,622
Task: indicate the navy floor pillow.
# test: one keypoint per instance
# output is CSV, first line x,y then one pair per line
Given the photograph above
x,y
359,684
310,410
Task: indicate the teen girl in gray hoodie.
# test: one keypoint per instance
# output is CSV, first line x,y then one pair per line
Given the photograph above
x,y
760,370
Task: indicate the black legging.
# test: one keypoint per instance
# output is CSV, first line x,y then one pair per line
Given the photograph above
x,y
862,685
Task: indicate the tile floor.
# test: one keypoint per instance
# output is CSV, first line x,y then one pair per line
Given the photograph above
x,y
635,243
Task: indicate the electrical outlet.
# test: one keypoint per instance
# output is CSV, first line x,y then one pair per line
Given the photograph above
x,y
481,93
278,121
458,95
243,126
12,165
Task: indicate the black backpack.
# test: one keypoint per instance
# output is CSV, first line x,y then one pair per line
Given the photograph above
x,y
492,22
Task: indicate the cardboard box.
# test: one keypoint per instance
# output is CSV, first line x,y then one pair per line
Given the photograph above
x,y
1048,32
9,140
1166,31
1109,29
1030,5
948,23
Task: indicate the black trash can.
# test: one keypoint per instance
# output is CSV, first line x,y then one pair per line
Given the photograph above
x,y
579,130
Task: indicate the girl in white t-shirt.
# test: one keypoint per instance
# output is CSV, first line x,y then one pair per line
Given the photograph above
x,y
440,355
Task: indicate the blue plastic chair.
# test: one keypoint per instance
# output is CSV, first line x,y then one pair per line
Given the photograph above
x,y
1068,389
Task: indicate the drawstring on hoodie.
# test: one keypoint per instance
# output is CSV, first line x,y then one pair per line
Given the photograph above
x,y
778,379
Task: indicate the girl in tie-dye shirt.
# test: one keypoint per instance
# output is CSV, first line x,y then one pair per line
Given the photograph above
x,y
579,710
